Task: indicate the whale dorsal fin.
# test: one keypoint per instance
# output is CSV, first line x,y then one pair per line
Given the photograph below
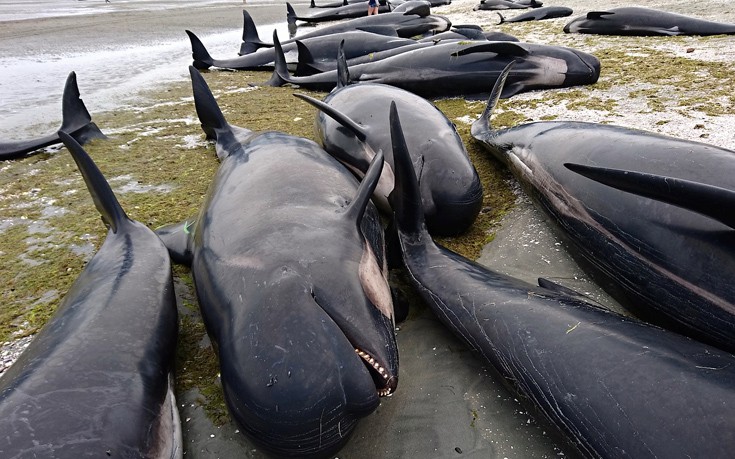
x,y
712,201
405,199
75,118
305,64
202,59
280,75
343,72
104,199
251,42
73,111
290,14
482,125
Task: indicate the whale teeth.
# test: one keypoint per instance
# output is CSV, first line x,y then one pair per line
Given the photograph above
x,y
382,371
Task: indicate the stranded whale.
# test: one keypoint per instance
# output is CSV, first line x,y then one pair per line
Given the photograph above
x,y
604,380
288,262
670,264
76,122
97,380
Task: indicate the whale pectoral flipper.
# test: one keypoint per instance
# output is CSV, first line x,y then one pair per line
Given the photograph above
x,y
599,14
712,201
506,48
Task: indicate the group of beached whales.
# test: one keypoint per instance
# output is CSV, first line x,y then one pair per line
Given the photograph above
x,y
290,258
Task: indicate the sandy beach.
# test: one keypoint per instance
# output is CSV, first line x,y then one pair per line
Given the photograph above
x,y
448,404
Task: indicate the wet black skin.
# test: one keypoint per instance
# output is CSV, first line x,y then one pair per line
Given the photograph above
x,y
97,380
539,14
450,187
671,265
404,24
275,254
465,68
355,10
644,21
357,43
615,386
504,5
76,121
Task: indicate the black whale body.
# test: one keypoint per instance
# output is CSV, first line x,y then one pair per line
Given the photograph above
x,y
406,24
357,44
462,68
451,190
644,21
494,5
668,264
616,387
288,263
97,380
76,122
539,14
349,11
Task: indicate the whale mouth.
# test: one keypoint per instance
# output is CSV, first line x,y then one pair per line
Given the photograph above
x,y
380,374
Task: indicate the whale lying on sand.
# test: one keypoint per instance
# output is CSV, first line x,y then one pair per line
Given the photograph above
x,y
288,261
644,21
669,257
76,122
97,380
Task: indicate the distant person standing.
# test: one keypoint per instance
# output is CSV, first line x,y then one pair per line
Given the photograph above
x,y
372,7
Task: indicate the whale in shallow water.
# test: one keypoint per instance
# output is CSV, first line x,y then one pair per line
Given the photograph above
x,y
76,122
615,386
97,379
669,258
288,262
644,21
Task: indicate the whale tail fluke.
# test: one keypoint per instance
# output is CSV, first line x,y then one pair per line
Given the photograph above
x,y
202,59
251,42
104,199
483,125
76,120
405,199
712,201
502,19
